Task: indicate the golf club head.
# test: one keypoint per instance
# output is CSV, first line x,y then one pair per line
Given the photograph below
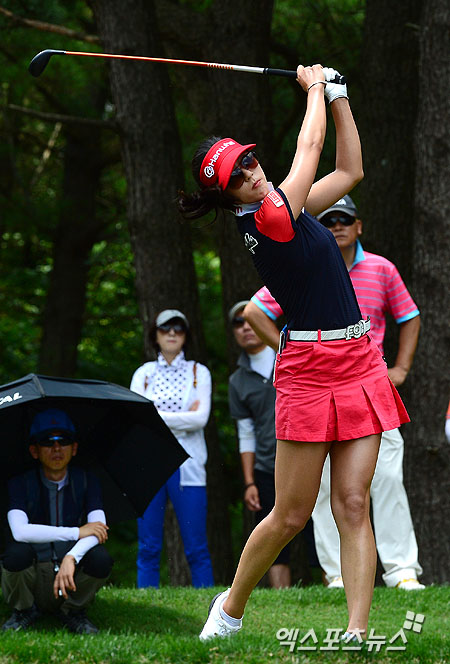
x,y
40,61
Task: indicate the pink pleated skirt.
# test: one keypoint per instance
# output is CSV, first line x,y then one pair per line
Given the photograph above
x,y
334,390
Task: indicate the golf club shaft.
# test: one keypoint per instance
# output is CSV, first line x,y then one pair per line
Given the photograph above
x,y
39,62
194,63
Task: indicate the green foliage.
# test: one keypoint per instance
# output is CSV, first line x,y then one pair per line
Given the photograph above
x,y
324,31
197,5
122,545
32,201
111,345
162,626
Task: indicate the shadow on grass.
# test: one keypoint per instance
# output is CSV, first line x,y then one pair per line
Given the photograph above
x,y
133,615
127,615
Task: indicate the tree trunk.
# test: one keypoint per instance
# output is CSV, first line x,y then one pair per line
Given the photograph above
x,y
179,572
236,102
76,233
390,90
427,459
387,125
151,147
405,209
227,104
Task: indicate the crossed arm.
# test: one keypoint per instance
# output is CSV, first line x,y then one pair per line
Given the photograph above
x,y
94,532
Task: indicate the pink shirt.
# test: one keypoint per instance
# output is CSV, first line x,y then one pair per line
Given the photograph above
x,y
379,290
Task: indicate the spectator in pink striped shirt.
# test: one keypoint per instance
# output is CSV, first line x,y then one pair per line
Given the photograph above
x,y
380,290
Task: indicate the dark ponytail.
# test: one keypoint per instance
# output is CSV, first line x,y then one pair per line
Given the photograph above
x,y
199,203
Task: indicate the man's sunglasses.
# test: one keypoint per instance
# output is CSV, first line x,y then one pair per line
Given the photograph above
x,y
176,327
344,219
51,440
248,161
238,321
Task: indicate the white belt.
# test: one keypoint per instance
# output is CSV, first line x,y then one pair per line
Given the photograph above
x,y
349,332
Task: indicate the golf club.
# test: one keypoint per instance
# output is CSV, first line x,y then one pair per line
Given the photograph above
x,y
40,61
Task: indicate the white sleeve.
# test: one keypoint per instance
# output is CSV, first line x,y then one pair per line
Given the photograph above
x,y
246,435
447,429
86,543
192,420
138,381
35,533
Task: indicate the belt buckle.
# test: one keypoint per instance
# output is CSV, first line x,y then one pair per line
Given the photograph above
x,y
355,331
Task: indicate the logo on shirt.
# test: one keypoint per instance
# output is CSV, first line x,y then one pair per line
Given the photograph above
x,y
250,242
275,198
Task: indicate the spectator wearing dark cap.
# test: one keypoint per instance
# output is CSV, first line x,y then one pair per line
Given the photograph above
x,y
56,561
251,398
379,290
181,392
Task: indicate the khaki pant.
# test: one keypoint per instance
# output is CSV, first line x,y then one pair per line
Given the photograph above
x,y
35,584
394,530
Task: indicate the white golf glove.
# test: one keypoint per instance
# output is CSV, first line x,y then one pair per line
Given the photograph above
x,y
333,90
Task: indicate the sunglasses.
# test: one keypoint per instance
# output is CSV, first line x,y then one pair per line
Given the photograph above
x,y
176,327
51,440
344,219
249,162
238,321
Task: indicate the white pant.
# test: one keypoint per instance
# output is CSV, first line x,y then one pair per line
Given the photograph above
x,y
394,531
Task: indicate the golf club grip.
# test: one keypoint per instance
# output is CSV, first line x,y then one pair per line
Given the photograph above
x,y
293,74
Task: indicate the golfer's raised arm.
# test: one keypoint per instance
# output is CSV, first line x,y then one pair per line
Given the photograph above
x,y
349,166
310,140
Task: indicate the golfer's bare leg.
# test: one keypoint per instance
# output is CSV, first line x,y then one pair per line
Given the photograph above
x,y
298,469
352,468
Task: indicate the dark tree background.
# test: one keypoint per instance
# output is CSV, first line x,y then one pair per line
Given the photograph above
x,y
77,231
92,157
405,208
427,461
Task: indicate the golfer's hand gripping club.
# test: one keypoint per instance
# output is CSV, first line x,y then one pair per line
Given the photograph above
x,y
337,77
335,87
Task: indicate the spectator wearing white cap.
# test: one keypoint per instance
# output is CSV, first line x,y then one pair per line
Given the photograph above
x,y
181,392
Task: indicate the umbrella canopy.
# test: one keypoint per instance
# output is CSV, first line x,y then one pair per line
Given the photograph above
x,y
122,439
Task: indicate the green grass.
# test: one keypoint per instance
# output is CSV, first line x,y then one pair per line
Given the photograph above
x,y
162,626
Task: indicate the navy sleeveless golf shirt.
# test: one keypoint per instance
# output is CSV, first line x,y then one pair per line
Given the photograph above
x,y
301,265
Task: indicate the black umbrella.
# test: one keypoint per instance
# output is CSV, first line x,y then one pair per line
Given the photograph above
x,y
121,437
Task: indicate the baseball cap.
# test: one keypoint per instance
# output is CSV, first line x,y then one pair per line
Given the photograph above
x,y
168,314
51,420
344,204
219,161
236,307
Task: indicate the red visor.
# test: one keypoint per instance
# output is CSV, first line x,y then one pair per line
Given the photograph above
x,y
219,162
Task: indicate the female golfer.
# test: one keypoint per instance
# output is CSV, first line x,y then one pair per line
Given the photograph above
x,y
333,392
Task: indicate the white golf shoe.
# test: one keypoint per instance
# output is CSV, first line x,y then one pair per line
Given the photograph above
x,y
410,584
215,624
337,582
